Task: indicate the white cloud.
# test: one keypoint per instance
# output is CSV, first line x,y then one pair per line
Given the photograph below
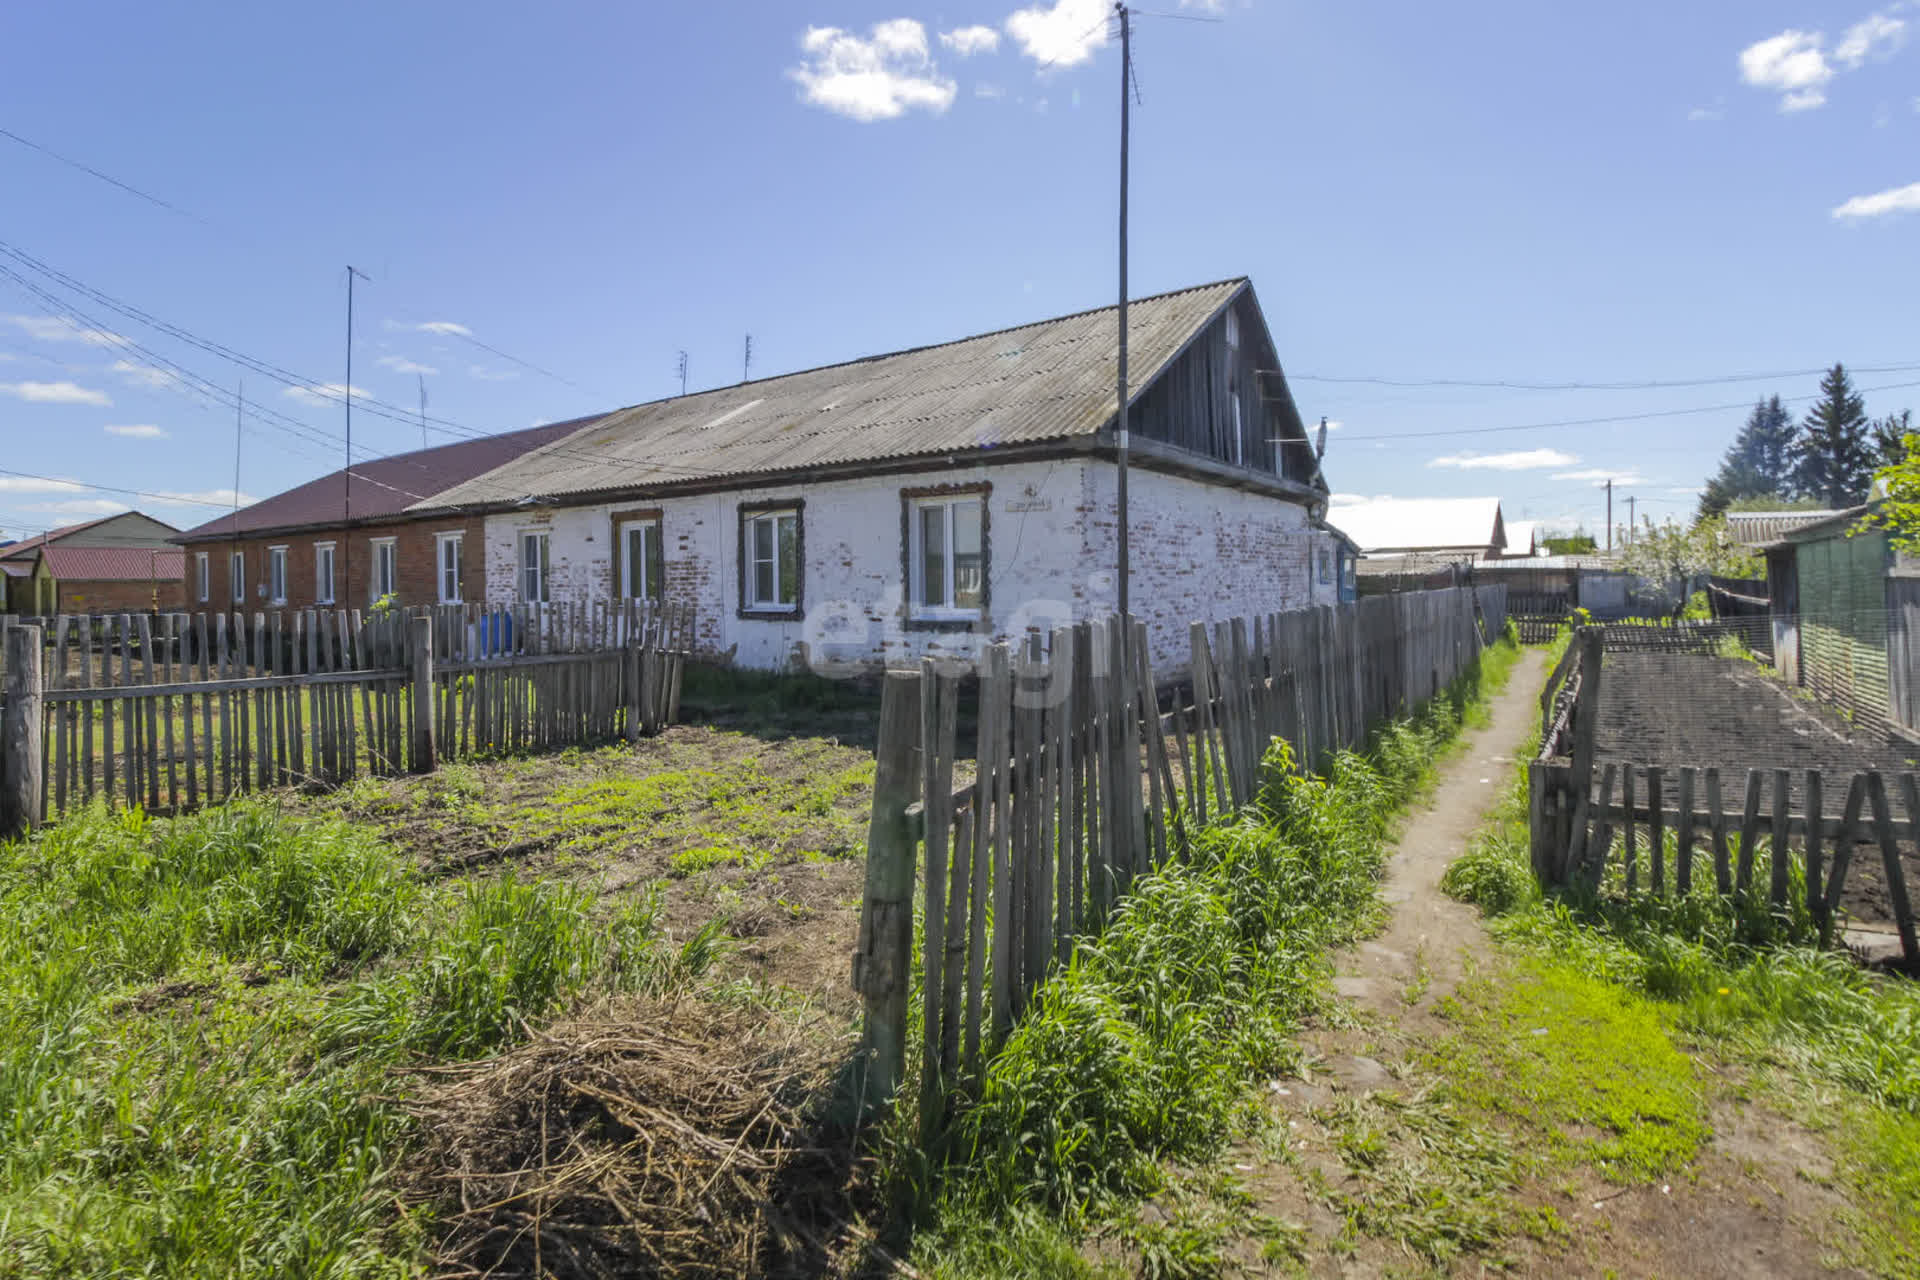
x,y
986,90
202,498
54,393
78,507
1792,64
1718,111
967,41
34,484
1063,34
146,375
1518,460
1600,475
1881,203
1877,34
485,374
138,431
444,327
324,393
881,77
400,364
61,329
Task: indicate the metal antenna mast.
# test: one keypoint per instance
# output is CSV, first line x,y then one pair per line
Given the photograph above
x,y
746,363
683,373
1120,426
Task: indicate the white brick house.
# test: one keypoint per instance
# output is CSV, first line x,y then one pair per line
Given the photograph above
x,y
928,501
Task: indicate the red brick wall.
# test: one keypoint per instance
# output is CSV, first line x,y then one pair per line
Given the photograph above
x,y
132,596
414,545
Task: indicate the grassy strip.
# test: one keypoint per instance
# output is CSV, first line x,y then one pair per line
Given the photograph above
x,y
200,1016
1741,980
1141,1051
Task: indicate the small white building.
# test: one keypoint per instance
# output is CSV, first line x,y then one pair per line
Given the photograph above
x,y
930,500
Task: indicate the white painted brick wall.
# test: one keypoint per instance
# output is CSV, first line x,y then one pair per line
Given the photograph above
x,y
1199,551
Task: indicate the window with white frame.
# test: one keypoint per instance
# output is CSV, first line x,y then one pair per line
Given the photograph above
x,y
276,575
237,576
202,576
386,568
447,551
770,560
323,573
535,566
641,566
946,555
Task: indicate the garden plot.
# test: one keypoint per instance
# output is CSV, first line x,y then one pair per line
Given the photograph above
x,y
1676,710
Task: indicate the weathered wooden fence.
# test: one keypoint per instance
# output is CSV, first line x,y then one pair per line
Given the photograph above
x,y
196,709
1580,834
1081,783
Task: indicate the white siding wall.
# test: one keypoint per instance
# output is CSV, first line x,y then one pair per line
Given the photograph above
x,y
1199,551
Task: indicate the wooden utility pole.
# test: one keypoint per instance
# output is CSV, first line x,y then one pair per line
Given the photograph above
x,y
20,744
1609,514
883,960
346,475
1120,428
425,753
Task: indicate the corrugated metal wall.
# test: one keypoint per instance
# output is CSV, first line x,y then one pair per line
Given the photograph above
x,y
1843,622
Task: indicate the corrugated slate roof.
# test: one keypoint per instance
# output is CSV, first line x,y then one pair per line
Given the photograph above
x,y
1049,380
383,486
1418,523
1758,528
114,564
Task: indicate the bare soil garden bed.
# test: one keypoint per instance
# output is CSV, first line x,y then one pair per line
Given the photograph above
x,y
1676,710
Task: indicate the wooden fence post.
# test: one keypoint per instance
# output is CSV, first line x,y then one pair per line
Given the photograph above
x,y
883,960
20,753
1586,716
425,753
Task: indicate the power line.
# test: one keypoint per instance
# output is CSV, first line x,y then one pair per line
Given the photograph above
x,y
107,178
108,488
1650,385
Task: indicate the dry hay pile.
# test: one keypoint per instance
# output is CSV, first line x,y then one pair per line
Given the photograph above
x,y
644,1140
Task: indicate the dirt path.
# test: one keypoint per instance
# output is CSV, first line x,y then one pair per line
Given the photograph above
x,y
1380,1180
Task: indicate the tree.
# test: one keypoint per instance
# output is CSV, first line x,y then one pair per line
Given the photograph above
x,y
1889,436
1832,458
1671,560
1759,462
1899,511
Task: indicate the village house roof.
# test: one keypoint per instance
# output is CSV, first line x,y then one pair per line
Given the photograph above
x,y
24,549
1421,525
114,564
1045,382
1758,528
382,488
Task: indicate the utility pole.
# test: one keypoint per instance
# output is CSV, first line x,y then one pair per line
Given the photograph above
x,y
423,408
233,547
1630,523
683,373
746,361
1609,515
1120,431
346,476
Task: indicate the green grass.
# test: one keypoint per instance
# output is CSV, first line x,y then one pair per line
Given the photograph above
x,y
1738,979
200,1020
1141,1051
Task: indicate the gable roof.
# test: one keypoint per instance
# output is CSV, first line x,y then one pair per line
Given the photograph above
x,y
1757,528
1421,524
1050,380
114,564
1520,537
25,548
152,533
382,487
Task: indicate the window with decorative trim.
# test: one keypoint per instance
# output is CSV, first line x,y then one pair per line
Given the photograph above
x,y
770,560
323,573
536,566
448,550
946,556
276,575
386,569
202,576
237,576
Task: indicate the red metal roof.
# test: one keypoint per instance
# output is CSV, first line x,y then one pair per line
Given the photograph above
x,y
114,564
382,487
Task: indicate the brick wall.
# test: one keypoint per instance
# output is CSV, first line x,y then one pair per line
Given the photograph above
x,y
1198,551
415,546
131,596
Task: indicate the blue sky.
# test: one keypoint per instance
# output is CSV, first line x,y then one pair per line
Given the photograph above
x,y
1421,193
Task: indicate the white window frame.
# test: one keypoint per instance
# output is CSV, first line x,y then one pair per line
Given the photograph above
x,y
323,583
386,556
202,576
441,541
277,575
237,576
917,558
752,603
634,567
527,573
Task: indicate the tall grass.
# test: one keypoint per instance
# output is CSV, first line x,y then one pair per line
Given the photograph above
x,y
198,1021
1141,1050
